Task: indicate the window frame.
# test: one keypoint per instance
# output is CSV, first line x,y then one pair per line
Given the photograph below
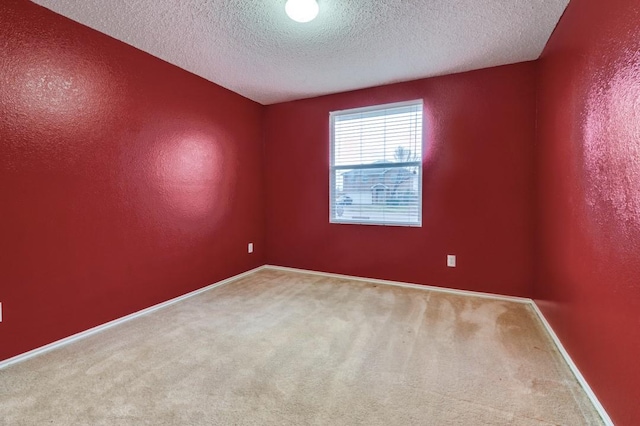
x,y
332,167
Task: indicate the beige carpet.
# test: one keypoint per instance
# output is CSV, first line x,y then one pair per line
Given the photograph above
x,y
282,348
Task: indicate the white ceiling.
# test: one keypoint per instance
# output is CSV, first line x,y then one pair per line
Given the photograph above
x,y
254,49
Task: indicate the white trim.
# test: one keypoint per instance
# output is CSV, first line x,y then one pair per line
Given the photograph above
x,y
403,284
378,107
75,337
572,366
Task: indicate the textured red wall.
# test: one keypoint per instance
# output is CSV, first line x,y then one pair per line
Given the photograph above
x,y
124,181
589,196
478,186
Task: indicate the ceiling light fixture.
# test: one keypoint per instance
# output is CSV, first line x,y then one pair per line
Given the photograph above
x,y
302,10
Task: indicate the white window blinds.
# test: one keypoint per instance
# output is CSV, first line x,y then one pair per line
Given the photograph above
x,y
376,165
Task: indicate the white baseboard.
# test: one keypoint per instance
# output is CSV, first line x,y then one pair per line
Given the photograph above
x,y
403,284
572,366
579,377
75,337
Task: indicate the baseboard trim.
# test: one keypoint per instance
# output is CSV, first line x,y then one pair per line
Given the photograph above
x,y
574,368
403,284
83,334
565,355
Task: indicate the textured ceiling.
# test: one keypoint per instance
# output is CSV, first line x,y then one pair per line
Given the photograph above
x,y
254,49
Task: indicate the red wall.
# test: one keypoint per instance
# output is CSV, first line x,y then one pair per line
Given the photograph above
x,y
589,196
124,181
477,187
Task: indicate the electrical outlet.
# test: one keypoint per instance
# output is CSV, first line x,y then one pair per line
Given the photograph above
x,y
250,248
451,260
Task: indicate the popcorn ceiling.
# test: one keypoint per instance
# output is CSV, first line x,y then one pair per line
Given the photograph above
x,y
254,49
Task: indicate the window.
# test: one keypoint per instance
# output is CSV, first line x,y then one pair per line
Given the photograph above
x,y
376,165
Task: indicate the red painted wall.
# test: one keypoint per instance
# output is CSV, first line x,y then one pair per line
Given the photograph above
x,y
589,196
124,181
477,187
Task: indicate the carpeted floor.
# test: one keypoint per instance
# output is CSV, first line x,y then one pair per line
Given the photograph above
x,y
284,348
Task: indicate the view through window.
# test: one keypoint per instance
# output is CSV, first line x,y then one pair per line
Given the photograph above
x,y
376,165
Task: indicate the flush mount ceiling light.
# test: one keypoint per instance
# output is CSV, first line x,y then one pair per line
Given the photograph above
x,y
302,10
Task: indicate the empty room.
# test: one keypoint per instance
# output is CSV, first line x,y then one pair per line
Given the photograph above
x,y
319,212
